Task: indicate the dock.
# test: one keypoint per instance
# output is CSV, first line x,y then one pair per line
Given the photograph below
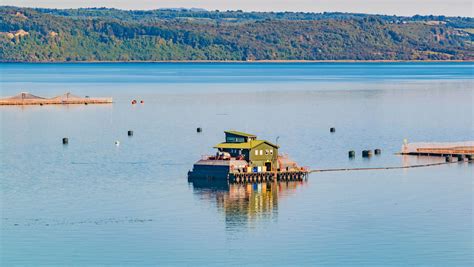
x,y
65,99
439,149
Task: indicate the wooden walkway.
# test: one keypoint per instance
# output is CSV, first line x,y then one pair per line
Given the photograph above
x,y
439,149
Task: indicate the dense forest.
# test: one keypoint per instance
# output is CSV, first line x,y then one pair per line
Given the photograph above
x,y
101,34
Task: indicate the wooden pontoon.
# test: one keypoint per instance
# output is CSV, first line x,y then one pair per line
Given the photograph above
x,y
68,98
439,149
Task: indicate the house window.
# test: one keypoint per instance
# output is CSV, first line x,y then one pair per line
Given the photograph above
x,y
261,152
271,151
256,152
266,151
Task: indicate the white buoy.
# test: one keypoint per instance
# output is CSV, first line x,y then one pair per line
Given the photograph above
x,y
117,143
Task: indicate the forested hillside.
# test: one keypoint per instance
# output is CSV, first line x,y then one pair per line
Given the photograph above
x,y
49,35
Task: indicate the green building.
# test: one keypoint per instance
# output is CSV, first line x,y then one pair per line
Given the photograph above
x,y
258,153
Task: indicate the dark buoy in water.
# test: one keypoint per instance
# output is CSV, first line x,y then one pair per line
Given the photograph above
x,y
65,141
141,101
352,154
130,133
199,129
134,102
366,153
378,151
332,130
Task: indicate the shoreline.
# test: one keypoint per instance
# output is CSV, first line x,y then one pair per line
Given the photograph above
x,y
241,61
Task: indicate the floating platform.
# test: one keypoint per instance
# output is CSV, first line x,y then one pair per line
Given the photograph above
x,y
439,149
242,158
66,99
234,170
253,177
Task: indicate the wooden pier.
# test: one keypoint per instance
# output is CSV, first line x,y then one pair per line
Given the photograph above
x,y
66,99
439,149
250,177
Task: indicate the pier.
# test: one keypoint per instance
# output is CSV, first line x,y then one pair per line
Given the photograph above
x,y
65,99
439,149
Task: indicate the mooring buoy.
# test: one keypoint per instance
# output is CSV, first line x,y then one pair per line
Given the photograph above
x,y
366,153
199,129
378,151
332,130
130,133
117,143
65,141
352,154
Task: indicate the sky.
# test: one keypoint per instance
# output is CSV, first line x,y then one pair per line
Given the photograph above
x,y
389,7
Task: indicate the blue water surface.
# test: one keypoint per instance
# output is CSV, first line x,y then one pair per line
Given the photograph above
x,y
94,203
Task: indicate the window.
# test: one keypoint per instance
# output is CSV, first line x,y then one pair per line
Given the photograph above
x,y
266,151
256,152
235,139
261,152
271,151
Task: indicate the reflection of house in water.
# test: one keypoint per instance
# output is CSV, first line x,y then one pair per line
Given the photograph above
x,y
244,204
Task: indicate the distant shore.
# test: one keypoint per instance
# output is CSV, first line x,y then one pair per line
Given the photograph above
x,y
249,61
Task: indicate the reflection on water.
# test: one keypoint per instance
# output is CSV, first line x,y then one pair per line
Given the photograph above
x,y
410,160
245,204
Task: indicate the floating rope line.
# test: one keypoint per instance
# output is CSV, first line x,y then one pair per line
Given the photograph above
x,y
385,168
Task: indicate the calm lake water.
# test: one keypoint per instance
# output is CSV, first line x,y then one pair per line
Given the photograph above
x,y
94,203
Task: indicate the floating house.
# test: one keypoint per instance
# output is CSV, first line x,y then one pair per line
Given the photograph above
x,y
244,158
258,153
